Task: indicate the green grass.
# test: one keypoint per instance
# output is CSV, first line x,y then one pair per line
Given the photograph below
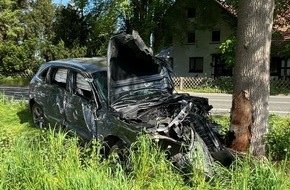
x,y
277,139
36,159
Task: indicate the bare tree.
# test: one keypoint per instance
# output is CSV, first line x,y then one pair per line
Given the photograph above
x,y
250,108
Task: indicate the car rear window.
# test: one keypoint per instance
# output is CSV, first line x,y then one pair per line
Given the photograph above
x,y
60,77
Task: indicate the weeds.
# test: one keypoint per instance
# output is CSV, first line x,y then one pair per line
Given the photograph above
x,y
35,159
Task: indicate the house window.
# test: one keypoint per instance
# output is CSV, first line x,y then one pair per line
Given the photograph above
x,y
216,36
190,12
196,64
275,66
191,37
285,68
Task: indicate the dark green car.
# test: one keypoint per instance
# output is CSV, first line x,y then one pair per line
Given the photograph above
x,y
113,99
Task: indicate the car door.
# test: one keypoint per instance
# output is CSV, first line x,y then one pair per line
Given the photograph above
x,y
51,94
80,107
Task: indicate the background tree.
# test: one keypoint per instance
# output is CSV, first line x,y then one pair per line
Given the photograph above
x,y
11,35
87,24
251,70
28,38
104,18
147,17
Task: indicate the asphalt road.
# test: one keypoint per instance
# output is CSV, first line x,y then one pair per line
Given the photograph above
x,y
221,102
17,93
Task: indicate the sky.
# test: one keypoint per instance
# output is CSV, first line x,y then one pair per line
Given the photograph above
x,y
64,2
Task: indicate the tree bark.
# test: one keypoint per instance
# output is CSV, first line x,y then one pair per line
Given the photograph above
x,y
251,71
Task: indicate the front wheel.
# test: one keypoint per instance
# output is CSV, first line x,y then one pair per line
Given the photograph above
x,y
196,156
37,115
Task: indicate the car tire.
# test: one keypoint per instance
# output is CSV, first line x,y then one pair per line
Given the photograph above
x,y
204,128
196,157
37,115
117,148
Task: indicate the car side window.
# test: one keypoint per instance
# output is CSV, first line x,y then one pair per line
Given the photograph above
x,y
83,88
42,75
59,77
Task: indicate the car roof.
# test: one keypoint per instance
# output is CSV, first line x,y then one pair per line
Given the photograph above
x,y
89,65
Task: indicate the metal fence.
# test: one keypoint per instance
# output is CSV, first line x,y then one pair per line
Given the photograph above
x,y
197,82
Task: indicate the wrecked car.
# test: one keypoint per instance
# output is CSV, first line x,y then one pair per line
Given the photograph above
x,y
115,98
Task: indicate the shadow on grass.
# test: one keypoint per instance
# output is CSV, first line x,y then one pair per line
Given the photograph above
x,y
25,116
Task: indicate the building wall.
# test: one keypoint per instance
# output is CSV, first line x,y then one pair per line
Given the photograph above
x,y
203,47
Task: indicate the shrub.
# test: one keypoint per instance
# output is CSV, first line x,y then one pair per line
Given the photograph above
x,y
14,81
278,137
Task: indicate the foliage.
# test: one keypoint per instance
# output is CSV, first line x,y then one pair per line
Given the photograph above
x,y
10,28
276,140
14,81
87,24
59,51
227,50
278,137
82,28
146,17
223,121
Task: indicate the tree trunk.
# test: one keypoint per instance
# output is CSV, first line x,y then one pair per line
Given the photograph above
x,y
252,75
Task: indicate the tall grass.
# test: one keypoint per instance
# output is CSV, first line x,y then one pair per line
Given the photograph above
x,y
35,159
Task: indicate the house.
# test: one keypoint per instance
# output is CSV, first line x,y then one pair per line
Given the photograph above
x,y
199,56
280,54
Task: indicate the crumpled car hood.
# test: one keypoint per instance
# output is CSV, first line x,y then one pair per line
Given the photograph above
x,y
134,74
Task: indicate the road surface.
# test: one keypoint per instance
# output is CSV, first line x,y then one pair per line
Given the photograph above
x,y
221,102
17,93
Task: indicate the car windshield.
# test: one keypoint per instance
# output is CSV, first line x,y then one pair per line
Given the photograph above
x,y
100,80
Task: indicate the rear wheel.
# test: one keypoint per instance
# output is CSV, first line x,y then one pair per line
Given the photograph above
x,y
37,115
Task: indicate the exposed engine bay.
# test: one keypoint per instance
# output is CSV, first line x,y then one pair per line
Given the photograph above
x,y
172,118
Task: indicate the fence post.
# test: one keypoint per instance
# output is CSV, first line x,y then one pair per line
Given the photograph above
x,y
181,83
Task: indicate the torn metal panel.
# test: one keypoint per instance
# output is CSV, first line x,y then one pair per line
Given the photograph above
x,y
89,116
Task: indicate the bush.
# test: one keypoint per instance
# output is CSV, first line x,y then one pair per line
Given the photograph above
x,y
278,137
14,81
